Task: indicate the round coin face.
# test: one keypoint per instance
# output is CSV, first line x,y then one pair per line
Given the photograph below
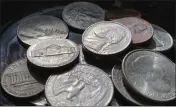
x,y
80,15
141,30
162,40
121,13
42,27
17,81
84,85
150,74
117,79
106,38
53,53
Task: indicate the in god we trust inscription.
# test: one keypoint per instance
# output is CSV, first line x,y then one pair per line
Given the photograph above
x,y
106,38
53,53
84,85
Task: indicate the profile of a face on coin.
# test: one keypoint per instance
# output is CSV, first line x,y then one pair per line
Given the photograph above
x,y
53,53
42,27
81,15
84,85
151,74
142,31
106,38
18,82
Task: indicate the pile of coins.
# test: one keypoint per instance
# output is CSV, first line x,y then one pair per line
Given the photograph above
x,y
121,56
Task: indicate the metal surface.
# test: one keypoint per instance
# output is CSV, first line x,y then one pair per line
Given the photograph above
x,y
40,101
106,38
42,27
53,53
84,85
17,81
141,30
150,74
81,15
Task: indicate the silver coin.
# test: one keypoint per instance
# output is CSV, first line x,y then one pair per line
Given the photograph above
x,y
81,55
162,40
40,101
84,85
17,81
150,74
41,27
80,15
117,79
106,38
53,53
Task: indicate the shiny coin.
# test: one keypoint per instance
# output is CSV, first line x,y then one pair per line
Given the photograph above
x,y
81,55
161,41
80,15
40,101
117,79
150,74
53,53
17,81
84,85
106,38
37,28
141,30
121,13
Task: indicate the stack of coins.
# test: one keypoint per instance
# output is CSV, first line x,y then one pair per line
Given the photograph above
x,y
77,58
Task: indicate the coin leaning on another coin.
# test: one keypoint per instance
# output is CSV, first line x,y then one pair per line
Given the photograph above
x,y
41,27
17,81
84,85
53,53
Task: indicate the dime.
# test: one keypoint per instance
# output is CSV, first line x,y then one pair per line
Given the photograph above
x,y
80,15
42,27
150,74
121,13
106,38
17,81
84,85
53,53
161,41
117,79
141,30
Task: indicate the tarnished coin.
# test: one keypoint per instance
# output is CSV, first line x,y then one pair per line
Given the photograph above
x,y
117,79
80,15
161,41
141,30
84,85
53,53
17,81
121,13
106,38
150,74
41,27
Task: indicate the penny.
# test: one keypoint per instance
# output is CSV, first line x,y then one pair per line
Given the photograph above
x,y
80,15
161,41
84,85
150,74
41,27
141,30
115,14
53,53
106,38
117,79
17,81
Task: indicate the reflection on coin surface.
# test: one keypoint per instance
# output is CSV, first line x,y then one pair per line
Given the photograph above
x,y
53,53
81,55
80,15
84,85
17,81
106,38
141,30
162,40
117,79
37,28
151,74
121,13
40,101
